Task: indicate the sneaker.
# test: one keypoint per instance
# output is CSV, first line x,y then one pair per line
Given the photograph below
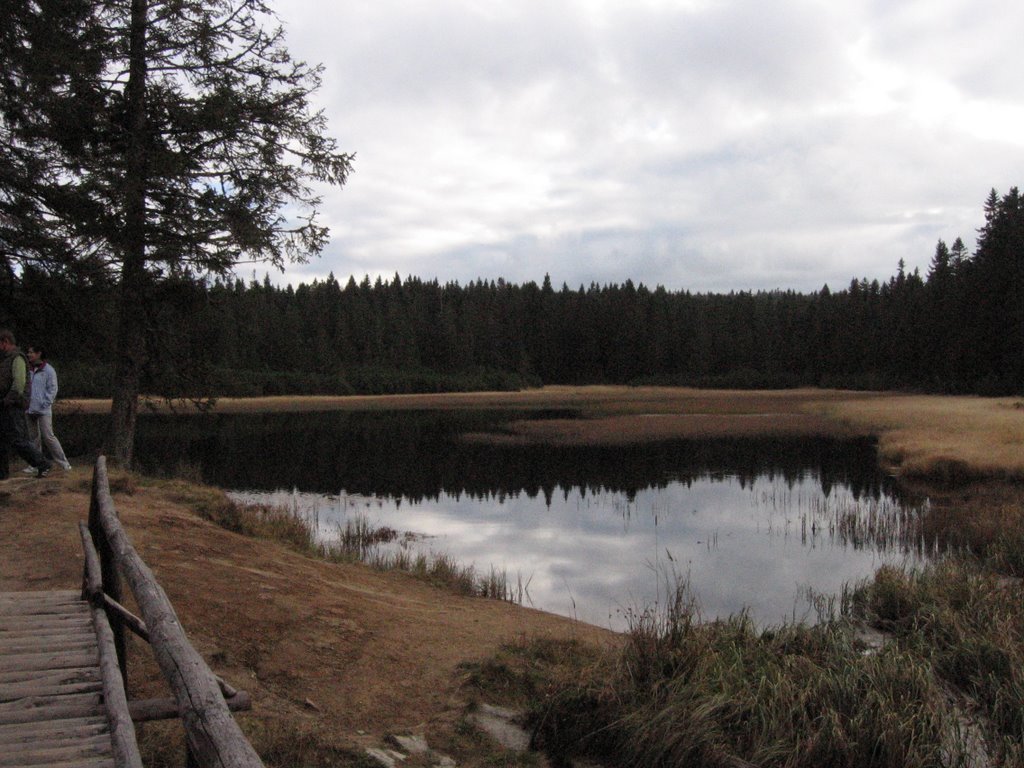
x,y
29,470
66,466
44,470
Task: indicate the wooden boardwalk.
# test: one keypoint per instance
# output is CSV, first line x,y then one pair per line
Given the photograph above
x,y
63,661
51,691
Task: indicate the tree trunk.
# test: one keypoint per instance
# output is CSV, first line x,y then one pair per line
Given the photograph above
x,y
124,407
131,346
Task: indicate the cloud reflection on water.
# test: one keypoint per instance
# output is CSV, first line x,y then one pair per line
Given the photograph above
x,y
596,556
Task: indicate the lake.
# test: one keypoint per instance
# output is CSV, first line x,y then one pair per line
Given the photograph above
x,y
592,533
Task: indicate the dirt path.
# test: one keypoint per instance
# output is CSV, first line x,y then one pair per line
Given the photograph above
x,y
354,652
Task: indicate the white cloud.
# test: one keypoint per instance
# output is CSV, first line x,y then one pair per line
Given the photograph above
x,y
698,144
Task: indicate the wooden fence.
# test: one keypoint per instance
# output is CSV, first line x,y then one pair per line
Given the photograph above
x,y
202,701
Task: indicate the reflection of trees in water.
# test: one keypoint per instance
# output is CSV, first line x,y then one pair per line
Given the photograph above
x,y
418,455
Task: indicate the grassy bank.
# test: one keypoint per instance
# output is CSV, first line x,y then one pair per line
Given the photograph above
x,y
917,667
949,440
357,542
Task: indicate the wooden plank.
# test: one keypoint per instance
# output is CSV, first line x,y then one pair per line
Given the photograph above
x,y
91,762
34,602
24,628
68,728
45,603
45,632
89,673
45,644
47,753
48,594
55,609
42,602
22,661
78,608
43,702
29,599
38,609
44,635
16,691
65,612
85,674
60,712
11,618
94,762
19,624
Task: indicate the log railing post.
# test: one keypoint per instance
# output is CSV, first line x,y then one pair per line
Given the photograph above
x,y
108,567
119,718
213,738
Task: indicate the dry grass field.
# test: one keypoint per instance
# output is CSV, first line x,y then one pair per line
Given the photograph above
x,y
948,438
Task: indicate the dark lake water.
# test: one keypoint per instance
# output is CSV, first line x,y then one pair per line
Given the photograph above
x,y
593,533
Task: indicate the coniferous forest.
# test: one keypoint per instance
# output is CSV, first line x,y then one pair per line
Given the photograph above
x,y
957,329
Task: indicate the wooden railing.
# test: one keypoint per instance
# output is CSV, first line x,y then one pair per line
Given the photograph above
x,y
202,700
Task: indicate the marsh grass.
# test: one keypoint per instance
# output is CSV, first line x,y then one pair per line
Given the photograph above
x,y
267,522
948,689
683,692
442,570
881,523
967,623
357,541
947,440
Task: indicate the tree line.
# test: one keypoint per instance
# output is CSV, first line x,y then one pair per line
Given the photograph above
x,y
957,329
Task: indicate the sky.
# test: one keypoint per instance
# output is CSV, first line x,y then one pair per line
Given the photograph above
x,y
699,145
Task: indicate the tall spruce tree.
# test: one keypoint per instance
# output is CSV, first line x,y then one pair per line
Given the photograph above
x,y
195,148
52,58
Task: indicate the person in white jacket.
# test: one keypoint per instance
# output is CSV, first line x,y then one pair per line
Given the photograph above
x,y
42,393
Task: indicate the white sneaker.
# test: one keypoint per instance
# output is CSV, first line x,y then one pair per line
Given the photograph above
x,y
66,466
29,470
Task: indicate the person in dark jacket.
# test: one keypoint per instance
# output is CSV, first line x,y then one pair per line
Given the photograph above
x,y
14,391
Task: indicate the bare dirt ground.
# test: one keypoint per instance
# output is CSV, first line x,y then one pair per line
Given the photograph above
x,y
349,652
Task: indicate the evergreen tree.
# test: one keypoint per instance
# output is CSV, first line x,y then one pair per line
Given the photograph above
x,y
995,284
53,58
192,135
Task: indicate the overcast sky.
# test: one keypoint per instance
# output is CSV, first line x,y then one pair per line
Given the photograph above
x,y
703,145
